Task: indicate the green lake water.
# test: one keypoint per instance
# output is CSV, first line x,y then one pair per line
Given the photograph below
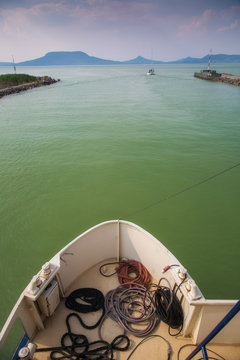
x,y
106,142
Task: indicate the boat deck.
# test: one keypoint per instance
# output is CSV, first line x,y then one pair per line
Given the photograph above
x,y
154,348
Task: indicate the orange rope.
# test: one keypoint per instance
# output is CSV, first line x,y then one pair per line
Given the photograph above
x,y
133,272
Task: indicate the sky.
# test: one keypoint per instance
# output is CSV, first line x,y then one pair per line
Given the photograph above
x,y
119,29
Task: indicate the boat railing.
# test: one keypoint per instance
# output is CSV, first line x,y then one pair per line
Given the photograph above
x,y
214,332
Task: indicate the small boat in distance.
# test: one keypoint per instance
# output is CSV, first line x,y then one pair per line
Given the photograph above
x,y
116,288
151,72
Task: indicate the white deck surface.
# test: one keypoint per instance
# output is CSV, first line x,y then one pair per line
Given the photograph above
x,y
154,348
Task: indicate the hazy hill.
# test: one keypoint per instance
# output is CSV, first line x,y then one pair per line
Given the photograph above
x,y
215,59
81,58
6,64
141,60
67,58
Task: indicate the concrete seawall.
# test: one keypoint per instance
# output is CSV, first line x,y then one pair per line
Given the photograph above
x,y
19,88
226,78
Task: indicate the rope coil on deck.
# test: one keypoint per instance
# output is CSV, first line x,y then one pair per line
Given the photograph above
x,y
76,346
94,300
168,306
136,306
136,309
130,273
135,268
133,308
80,348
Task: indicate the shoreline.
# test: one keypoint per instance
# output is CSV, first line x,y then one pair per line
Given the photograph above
x,y
27,86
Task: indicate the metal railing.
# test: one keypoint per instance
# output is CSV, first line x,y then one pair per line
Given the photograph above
x,y
214,332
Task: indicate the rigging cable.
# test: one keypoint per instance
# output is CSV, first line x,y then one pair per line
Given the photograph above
x,y
208,350
181,191
149,337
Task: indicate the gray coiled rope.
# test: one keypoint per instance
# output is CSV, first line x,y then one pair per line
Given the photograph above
x,y
133,308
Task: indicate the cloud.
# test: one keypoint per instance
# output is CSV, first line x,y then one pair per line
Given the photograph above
x,y
21,17
77,23
197,23
230,16
104,13
232,26
117,29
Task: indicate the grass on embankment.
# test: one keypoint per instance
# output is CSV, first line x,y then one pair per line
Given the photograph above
x,y
8,80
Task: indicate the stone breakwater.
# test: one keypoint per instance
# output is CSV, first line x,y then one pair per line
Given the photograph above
x,y
226,78
19,88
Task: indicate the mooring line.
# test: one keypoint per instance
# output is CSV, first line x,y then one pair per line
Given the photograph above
x,y
181,191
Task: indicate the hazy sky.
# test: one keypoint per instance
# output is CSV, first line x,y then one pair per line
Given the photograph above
x,y
119,29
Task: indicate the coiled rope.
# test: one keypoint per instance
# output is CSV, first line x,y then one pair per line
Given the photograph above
x,y
168,306
130,308
130,273
94,301
133,308
162,301
76,346
136,309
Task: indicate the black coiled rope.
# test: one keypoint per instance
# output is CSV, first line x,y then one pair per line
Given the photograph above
x,y
80,348
93,301
75,346
168,307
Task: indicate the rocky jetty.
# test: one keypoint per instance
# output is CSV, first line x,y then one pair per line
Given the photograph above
x,y
46,80
214,76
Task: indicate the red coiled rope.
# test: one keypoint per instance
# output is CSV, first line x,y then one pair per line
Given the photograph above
x,y
132,272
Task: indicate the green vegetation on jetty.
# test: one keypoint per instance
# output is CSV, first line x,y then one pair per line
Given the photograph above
x,y
15,83
8,80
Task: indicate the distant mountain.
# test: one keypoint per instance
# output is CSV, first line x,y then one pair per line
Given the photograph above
x,y
67,58
6,64
81,58
141,60
216,59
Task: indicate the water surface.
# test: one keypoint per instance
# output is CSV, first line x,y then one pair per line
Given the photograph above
x,y
104,143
